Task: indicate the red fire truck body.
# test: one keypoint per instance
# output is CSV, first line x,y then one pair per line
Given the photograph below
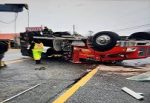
x,y
116,54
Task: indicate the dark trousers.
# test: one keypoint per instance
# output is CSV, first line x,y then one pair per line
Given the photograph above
x,y
1,56
37,61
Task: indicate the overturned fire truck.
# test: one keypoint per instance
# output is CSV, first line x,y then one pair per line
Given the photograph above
x,y
103,47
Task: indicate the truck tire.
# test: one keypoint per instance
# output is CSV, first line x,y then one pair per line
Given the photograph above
x,y
104,41
3,46
140,36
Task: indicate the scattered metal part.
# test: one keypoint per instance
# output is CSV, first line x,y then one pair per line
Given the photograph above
x,y
6,100
141,77
141,94
132,93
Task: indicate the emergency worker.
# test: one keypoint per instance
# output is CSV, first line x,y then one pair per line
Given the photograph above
x,y
3,49
37,51
1,62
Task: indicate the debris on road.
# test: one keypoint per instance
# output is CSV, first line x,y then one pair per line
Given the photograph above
x,y
132,93
121,69
40,68
141,77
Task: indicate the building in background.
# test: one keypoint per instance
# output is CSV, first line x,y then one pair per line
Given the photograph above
x,y
11,38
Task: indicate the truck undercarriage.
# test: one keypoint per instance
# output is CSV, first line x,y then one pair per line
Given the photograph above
x,y
104,46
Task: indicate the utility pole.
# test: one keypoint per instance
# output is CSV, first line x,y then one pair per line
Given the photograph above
x,y
73,29
15,38
90,32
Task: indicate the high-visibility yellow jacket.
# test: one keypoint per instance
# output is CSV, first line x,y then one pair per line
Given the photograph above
x,y
37,50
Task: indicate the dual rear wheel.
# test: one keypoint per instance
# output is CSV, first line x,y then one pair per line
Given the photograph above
x,y
104,41
140,36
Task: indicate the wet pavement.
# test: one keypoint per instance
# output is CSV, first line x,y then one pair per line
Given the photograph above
x,y
57,76
106,87
12,54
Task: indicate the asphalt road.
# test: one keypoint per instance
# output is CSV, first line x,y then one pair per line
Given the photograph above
x,y
106,88
57,77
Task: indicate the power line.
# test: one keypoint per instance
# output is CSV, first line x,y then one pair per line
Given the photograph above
x,y
134,27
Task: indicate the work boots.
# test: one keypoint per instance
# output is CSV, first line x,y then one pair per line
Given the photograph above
x,y
2,64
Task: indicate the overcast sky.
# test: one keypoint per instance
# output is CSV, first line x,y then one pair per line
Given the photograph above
x,y
121,16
